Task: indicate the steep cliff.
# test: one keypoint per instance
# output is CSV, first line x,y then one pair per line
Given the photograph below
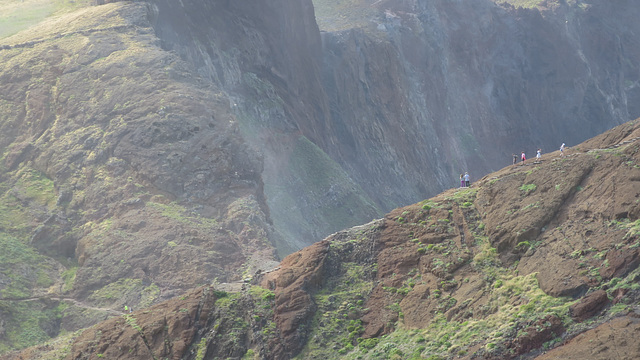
x,y
424,90
391,100
267,59
151,147
538,260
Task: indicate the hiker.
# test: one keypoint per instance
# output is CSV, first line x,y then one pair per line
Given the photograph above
x,y
515,159
461,180
562,150
538,154
523,158
466,179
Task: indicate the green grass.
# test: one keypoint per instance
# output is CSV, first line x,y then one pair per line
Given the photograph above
x,y
464,196
37,187
31,193
117,292
24,323
69,276
179,213
336,324
528,188
444,339
17,15
19,263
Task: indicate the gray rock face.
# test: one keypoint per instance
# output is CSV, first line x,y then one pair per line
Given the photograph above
x,y
417,93
456,86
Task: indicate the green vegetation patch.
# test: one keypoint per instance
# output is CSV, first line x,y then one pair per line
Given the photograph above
x,y
36,187
336,15
322,176
633,229
124,292
25,323
336,325
69,276
239,312
16,15
445,339
31,192
464,196
22,267
316,168
179,213
261,294
528,188
529,4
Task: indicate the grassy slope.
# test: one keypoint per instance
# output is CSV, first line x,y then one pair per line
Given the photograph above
x,y
73,96
535,3
27,197
18,15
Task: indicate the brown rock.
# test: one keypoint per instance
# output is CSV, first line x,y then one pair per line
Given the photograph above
x,y
537,334
618,295
621,262
615,339
299,275
589,306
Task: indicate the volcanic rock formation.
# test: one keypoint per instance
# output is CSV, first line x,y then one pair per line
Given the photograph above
x,y
148,148
495,271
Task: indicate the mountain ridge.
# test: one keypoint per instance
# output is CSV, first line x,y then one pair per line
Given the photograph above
x,y
437,279
151,147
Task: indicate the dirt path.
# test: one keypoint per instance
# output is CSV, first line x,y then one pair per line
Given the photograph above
x,y
73,301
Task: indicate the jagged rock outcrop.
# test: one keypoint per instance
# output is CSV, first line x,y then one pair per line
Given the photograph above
x,y
267,57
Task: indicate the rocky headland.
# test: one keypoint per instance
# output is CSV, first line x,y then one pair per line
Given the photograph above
x,y
151,149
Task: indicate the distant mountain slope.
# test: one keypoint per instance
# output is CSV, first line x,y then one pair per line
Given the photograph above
x,y
534,261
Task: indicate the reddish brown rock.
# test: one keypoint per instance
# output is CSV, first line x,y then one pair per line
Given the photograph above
x,y
299,275
615,339
621,262
537,334
589,306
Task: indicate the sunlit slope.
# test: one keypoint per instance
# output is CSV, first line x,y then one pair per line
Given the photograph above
x,y
18,15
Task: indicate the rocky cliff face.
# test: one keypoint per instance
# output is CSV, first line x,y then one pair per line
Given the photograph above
x,y
150,147
403,95
267,59
443,87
